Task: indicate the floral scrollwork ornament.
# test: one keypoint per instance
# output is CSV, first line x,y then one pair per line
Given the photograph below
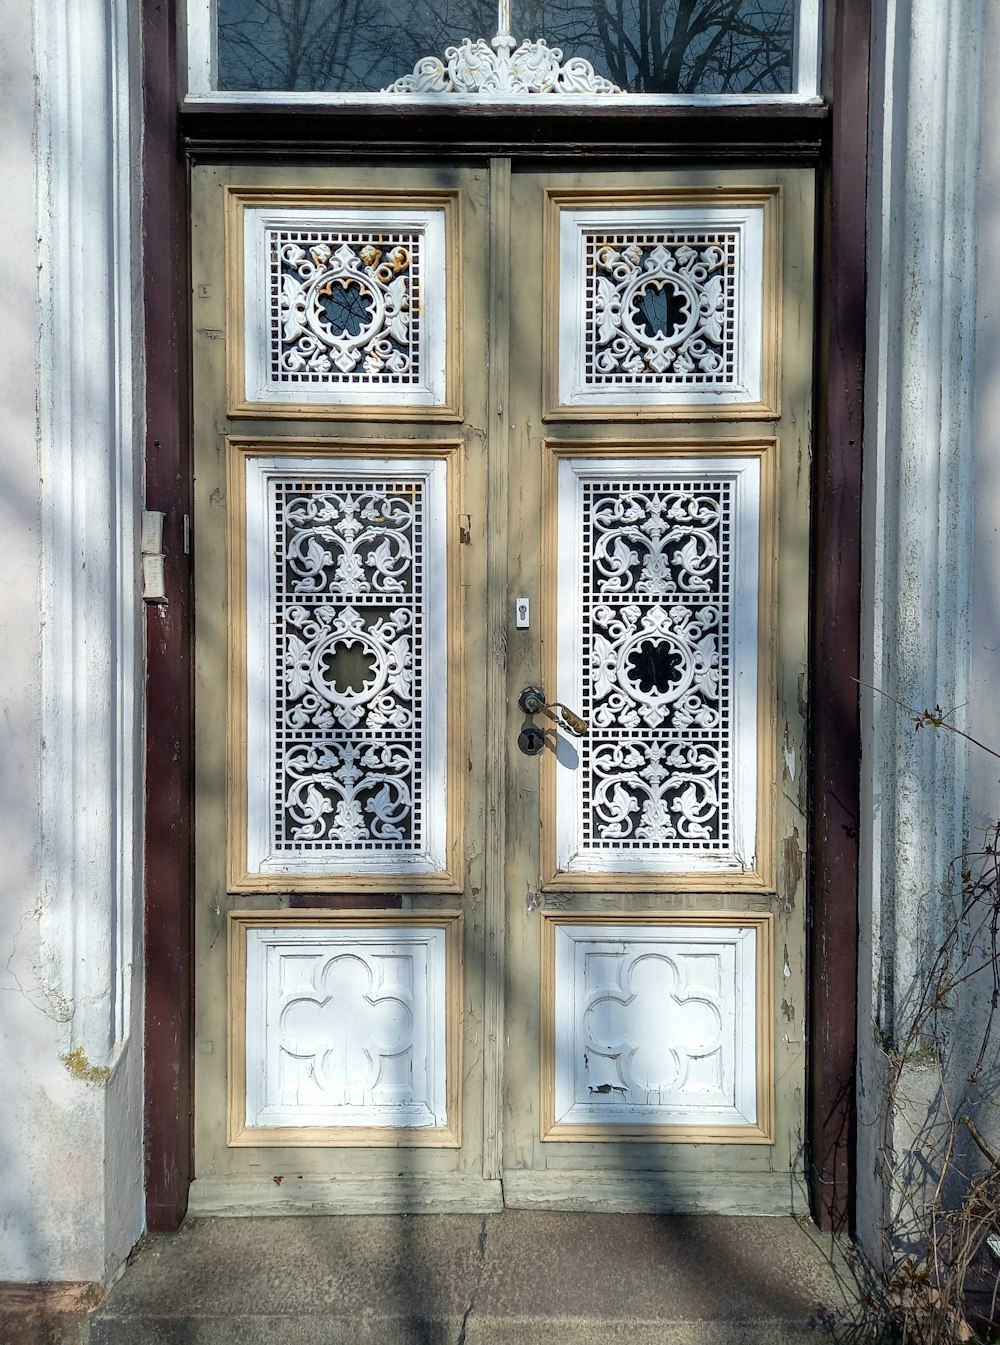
x,y
502,68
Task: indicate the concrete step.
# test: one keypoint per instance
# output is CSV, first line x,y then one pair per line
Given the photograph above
x,y
516,1278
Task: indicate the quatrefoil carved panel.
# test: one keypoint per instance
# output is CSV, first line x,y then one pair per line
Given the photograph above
x,y
649,1027
653,1023
346,1028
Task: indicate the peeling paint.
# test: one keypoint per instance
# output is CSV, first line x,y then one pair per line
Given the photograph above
x,y
792,868
788,752
81,1068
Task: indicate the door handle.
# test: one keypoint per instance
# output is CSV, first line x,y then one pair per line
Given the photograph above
x,y
532,701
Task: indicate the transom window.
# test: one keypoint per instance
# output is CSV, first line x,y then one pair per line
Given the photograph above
x,y
674,49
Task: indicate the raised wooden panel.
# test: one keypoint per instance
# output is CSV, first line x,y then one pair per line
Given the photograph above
x,y
343,1028
660,608
343,581
657,1026
343,306
664,305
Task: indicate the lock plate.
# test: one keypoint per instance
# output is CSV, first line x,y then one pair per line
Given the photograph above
x,y
531,740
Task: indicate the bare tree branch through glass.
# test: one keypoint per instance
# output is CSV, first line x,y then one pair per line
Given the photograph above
x,y
645,46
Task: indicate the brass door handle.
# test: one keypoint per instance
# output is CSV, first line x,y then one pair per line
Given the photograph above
x,y
532,701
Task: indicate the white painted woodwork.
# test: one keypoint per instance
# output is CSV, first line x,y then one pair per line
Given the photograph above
x,y
388,263
202,22
655,1025
346,559
346,1027
658,560
706,262
808,49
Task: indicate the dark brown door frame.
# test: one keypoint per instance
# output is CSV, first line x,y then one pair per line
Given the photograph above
x,y
834,138
835,738
169,847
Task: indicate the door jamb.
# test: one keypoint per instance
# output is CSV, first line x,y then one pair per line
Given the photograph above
x,y
836,624
169,851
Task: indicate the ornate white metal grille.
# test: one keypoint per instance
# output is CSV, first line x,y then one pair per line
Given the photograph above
x,y
345,306
349,570
664,593
661,306
351,640
657,619
342,309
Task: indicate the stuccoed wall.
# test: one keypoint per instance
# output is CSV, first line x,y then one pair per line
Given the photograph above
x,y
984,625
929,548
70,733
36,1090
984,706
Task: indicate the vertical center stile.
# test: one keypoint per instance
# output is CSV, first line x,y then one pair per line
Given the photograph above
x,y
497,449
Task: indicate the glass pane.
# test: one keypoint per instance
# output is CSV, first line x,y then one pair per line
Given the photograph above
x,y
644,46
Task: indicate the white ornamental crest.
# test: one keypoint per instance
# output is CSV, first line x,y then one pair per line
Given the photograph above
x,y
502,68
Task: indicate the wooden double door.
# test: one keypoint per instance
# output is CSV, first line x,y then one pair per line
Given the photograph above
x,y
501,542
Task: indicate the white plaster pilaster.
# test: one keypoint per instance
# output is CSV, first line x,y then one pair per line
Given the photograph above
x,y
86,1088
90,445
917,496
918,470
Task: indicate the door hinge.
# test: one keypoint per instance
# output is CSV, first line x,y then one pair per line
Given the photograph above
x,y
465,529
151,557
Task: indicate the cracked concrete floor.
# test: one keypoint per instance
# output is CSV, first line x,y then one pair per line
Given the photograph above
x,y
472,1280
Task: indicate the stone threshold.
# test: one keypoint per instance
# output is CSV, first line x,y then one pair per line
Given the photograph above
x,y
512,1278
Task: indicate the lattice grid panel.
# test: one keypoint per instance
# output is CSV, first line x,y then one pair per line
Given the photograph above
x,y
661,309
344,308
657,611
348,656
